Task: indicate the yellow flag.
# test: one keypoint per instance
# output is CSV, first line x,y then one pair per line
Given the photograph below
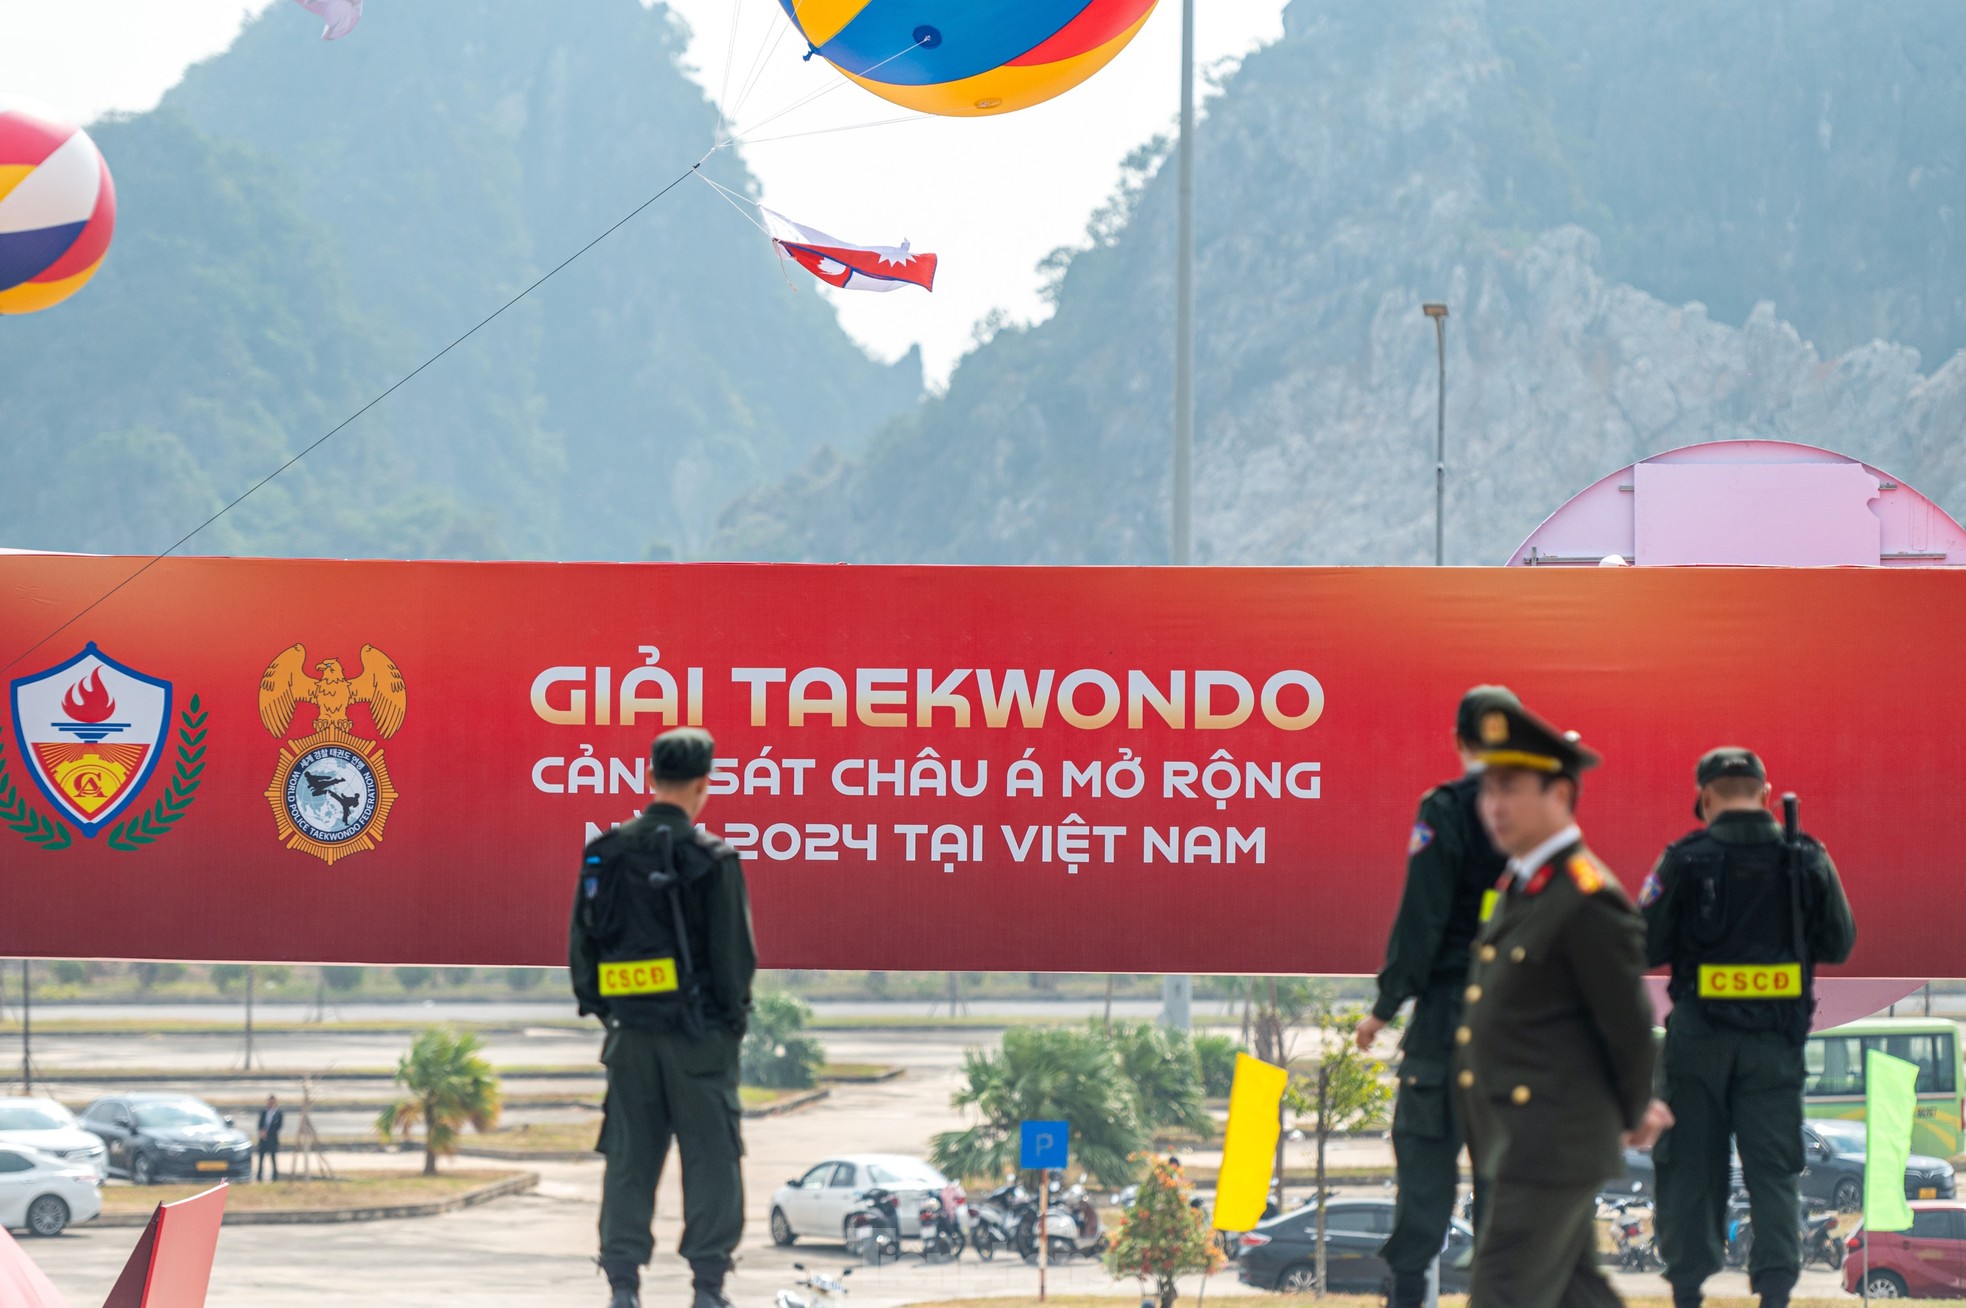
x,y
1249,1145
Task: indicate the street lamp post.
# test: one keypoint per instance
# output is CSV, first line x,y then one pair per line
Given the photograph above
x,y
1438,312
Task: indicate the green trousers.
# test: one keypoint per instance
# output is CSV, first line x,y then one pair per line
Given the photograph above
x,y
1747,1085
663,1084
1427,1135
1537,1248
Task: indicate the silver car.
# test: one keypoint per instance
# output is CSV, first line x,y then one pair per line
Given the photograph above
x,y
45,1125
815,1206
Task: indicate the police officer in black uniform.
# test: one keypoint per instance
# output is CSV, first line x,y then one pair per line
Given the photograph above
x,y
1743,912
1555,1056
1450,867
661,951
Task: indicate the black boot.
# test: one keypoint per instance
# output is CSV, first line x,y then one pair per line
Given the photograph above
x,y
707,1276
1683,1298
1774,1290
1409,1290
625,1281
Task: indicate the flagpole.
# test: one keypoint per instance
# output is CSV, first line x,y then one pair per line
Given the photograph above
x,y
1177,991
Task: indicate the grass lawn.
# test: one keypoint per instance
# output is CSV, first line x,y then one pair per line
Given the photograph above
x,y
539,1137
348,1190
853,1071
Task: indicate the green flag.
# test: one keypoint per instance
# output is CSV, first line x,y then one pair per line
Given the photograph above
x,y
1890,1105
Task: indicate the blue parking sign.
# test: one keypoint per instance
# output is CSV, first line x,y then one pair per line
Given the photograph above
x,y
1046,1146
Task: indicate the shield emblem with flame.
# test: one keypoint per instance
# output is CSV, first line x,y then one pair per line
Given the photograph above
x,y
91,731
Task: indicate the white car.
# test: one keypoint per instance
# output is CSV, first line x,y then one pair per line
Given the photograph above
x,y
45,1125
816,1205
44,1194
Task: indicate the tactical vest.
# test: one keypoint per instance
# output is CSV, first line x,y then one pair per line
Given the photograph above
x,y
1740,955
635,883
1481,868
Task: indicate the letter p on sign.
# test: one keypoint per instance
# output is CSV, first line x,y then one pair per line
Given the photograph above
x,y
1045,1146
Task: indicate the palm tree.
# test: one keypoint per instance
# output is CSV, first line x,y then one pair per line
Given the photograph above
x,y
1165,1073
449,1085
1050,1074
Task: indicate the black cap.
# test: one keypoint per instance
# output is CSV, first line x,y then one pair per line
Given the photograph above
x,y
1726,761
1478,700
683,754
1507,735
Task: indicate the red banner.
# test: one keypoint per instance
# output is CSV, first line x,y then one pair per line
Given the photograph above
x,y
1202,770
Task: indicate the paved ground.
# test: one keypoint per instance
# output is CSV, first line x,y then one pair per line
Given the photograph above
x,y
534,1250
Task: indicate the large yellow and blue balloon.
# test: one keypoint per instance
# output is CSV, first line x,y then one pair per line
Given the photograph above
x,y
57,207
968,57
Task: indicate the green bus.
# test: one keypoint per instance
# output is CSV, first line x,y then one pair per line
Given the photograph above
x,y
1833,1085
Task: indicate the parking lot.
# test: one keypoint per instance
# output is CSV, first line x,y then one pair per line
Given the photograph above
x,y
536,1249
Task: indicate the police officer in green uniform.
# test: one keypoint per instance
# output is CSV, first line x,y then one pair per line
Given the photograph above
x,y
1743,915
661,951
1450,867
1554,1060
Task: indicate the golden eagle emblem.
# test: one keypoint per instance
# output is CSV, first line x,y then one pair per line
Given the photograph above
x,y
286,685
331,792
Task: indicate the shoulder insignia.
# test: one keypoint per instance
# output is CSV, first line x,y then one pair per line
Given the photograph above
x,y
1423,835
1648,894
1584,872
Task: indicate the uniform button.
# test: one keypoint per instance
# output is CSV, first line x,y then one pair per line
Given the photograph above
x,y
1517,954
1467,1079
1488,953
1519,1095
1413,1080
1472,994
1462,1036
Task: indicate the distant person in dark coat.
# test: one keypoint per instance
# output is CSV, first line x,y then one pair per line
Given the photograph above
x,y
271,1119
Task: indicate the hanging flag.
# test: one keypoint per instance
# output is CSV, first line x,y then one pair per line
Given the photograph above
x,y
1890,1106
1249,1143
847,266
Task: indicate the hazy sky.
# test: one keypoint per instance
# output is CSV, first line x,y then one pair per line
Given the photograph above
x,y
991,196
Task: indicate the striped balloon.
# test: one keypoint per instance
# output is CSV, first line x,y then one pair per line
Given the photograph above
x,y
57,207
968,57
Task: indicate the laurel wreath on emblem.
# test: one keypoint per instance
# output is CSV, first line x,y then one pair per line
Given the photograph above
x,y
38,828
34,827
134,833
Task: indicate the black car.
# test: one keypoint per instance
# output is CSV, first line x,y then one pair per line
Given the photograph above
x,y
1833,1168
157,1137
1281,1253
1640,1180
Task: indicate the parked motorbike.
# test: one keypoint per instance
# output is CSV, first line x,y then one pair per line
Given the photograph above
x,y
1740,1232
821,1291
1637,1249
995,1221
942,1226
1071,1226
1819,1241
1089,1241
873,1230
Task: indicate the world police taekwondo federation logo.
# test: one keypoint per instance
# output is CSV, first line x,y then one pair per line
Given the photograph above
x,y
331,793
92,734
